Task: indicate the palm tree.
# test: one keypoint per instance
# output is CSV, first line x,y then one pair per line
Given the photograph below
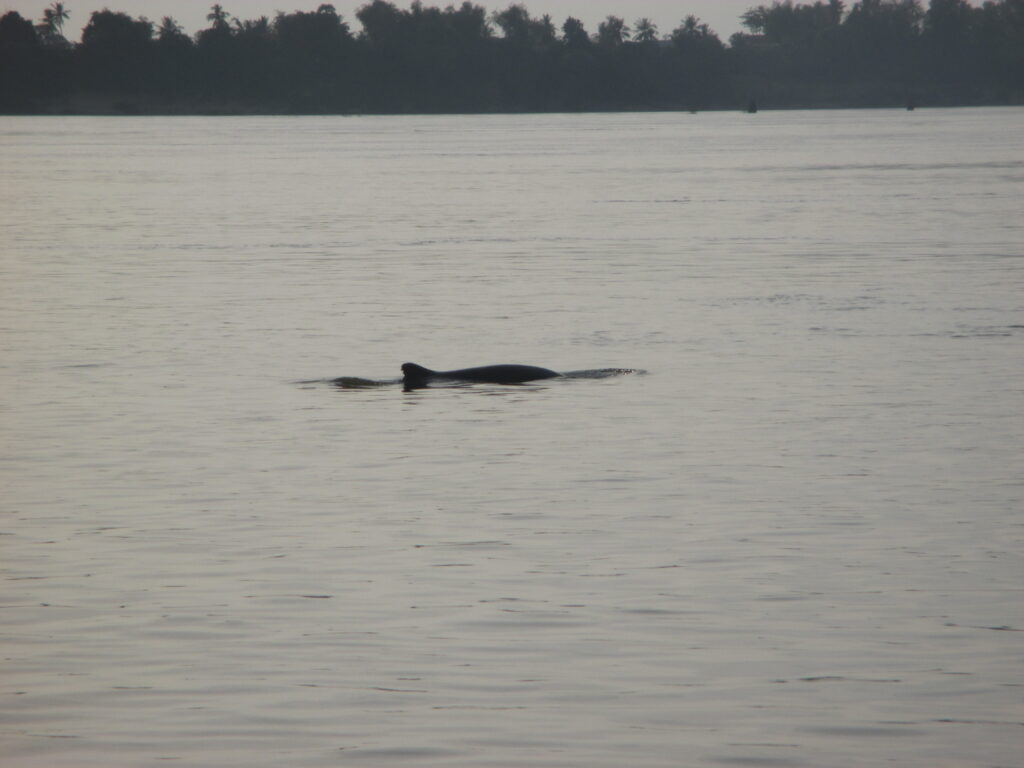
x,y
692,28
218,16
53,20
170,33
60,15
169,28
612,32
645,31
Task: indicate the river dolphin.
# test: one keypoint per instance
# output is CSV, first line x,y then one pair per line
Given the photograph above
x,y
418,376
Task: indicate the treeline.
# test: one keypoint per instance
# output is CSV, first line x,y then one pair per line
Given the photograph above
x,y
460,59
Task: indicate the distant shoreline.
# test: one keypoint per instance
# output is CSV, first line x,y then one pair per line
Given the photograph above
x,y
134,110
427,60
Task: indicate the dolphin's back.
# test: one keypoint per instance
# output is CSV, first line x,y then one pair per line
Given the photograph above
x,y
501,374
497,374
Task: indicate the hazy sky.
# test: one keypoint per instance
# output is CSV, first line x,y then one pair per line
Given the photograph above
x,y
721,15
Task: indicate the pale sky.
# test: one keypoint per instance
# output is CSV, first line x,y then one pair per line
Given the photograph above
x,y
721,15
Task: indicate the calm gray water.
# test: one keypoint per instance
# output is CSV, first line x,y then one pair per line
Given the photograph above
x,y
796,540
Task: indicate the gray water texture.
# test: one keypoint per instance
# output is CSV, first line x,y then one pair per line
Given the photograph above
x,y
796,540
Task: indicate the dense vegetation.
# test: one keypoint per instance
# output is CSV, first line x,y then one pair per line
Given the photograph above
x,y
460,59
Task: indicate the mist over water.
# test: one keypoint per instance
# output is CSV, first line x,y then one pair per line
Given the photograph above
x,y
795,540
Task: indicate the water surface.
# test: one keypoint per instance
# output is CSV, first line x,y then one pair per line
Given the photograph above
x,y
796,541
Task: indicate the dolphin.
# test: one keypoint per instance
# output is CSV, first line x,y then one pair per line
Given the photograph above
x,y
418,376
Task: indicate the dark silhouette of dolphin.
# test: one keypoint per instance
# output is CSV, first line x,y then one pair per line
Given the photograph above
x,y
418,376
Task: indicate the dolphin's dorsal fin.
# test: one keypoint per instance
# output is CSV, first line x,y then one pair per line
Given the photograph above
x,y
411,370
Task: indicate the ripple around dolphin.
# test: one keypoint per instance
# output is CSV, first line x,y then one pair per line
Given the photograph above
x,y
359,382
355,382
602,373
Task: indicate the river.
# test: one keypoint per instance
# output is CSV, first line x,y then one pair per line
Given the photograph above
x,y
791,537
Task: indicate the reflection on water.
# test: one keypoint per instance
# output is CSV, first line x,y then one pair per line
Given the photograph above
x,y
795,541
